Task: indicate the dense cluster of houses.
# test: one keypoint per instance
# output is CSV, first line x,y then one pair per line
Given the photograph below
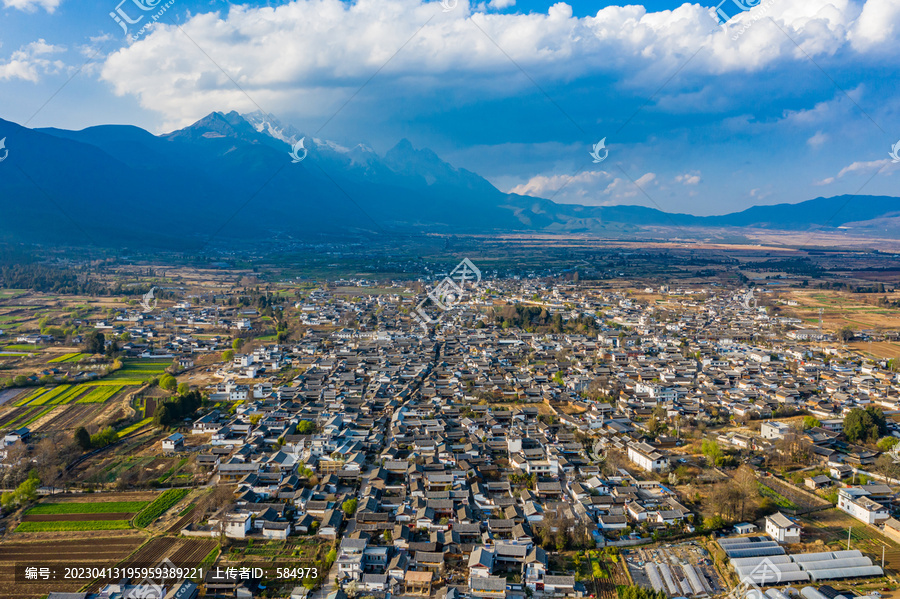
x,y
447,459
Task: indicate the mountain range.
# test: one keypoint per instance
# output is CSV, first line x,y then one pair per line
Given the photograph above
x,y
230,176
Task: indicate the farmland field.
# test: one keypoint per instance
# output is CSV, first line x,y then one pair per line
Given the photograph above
x,y
69,395
88,508
100,394
36,415
183,553
70,525
135,426
138,371
49,395
126,516
78,551
71,416
17,417
160,506
30,396
25,348
74,357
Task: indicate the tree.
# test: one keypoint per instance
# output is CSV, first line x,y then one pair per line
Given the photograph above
x,y
810,422
305,427
887,465
712,451
83,438
168,382
163,414
23,494
713,523
745,482
95,343
237,343
887,443
845,334
105,437
228,355
182,406
49,458
349,506
865,425
183,388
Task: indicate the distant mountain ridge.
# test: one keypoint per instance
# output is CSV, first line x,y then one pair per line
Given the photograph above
x,y
230,176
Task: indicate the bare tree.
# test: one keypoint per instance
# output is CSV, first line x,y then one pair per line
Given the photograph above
x,y
50,458
16,465
746,484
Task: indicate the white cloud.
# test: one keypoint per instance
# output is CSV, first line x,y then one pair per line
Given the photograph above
x,y
817,140
882,167
645,180
315,53
32,60
32,5
626,189
545,186
501,4
692,178
877,27
759,194
587,188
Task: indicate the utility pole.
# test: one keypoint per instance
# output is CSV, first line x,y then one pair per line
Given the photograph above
x,y
882,555
848,538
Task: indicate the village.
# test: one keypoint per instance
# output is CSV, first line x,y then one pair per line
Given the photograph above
x,y
536,440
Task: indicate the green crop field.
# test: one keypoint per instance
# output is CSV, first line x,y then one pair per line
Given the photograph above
x,y
134,372
31,396
50,395
159,506
70,525
104,507
66,358
135,426
69,395
100,394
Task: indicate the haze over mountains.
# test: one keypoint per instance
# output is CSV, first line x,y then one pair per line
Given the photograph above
x,y
229,176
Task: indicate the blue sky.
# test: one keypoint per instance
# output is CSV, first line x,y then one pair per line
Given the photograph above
x,y
790,101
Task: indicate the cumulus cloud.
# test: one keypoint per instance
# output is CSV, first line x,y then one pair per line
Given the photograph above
x,y
501,4
692,178
545,186
877,27
590,188
313,54
31,61
32,5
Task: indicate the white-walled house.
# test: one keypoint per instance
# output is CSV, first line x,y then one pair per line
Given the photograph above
x,y
782,529
648,457
855,502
